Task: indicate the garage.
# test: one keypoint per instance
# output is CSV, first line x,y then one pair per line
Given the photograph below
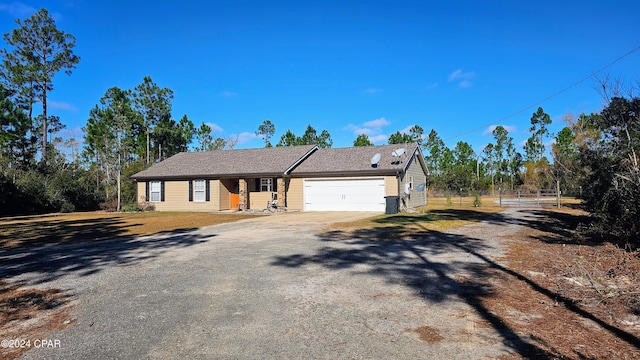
x,y
358,194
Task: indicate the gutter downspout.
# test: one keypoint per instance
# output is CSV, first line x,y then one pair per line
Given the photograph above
x,y
399,181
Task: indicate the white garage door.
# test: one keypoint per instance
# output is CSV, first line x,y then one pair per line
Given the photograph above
x,y
344,194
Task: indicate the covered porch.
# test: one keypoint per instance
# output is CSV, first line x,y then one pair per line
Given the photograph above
x,y
257,193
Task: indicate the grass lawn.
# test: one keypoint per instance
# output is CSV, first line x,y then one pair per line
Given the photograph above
x,y
52,229
438,215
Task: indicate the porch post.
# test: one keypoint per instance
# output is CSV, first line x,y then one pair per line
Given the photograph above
x,y
242,187
281,192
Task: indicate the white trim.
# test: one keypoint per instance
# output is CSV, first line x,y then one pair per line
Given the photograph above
x,y
299,161
155,188
199,189
268,184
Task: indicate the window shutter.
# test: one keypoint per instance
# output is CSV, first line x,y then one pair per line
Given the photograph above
x,y
161,190
190,190
146,195
257,182
207,191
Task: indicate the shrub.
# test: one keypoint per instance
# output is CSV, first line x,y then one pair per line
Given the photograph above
x,y
67,207
477,201
131,207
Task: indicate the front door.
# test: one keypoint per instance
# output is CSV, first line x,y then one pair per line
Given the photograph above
x,y
234,196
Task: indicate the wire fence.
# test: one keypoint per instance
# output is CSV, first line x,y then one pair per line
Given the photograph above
x,y
521,199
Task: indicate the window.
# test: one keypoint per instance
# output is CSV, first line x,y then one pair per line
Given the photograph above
x,y
198,190
410,182
155,191
266,184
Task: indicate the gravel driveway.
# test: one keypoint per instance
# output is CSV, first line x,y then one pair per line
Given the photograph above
x,y
276,287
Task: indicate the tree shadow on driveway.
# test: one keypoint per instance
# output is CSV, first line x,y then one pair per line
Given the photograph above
x,y
438,267
47,263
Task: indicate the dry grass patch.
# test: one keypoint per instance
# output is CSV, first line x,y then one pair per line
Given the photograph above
x,y
29,314
573,297
434,218
79,227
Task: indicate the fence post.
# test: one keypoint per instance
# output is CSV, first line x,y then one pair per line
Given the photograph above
x,y
558,194
518,198
500,197
538,197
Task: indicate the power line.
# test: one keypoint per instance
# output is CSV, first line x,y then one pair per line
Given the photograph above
x,y
546,98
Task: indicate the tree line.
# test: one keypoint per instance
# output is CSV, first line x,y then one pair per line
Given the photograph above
x,y
594,157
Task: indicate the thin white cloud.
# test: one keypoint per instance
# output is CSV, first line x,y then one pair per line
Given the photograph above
x,y
228,93
382,138
358,130
377,123
372,128
245,137
454,75
432,86
214,127
18,9
462,78
406,130
61,105
509,128
372,90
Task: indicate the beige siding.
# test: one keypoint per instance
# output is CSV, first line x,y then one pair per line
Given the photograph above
x,y
176,194
215,188
415,198
224,187
390,186
142,194
295,194
258,200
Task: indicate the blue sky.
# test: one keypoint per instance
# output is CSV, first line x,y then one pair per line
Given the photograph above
x,y
349,67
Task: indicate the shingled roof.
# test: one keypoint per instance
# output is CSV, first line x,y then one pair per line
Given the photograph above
x,y
341,161
278,161
228,163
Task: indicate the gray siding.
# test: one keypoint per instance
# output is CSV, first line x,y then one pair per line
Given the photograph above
x,y
415,198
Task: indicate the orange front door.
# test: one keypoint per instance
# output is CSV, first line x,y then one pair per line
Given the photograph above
x,y
235,195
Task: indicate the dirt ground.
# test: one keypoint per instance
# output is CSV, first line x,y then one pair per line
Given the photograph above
x,y
30,314
33,313
572,297
575,299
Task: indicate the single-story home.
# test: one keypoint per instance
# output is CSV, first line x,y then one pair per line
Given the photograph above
x,y
306,178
